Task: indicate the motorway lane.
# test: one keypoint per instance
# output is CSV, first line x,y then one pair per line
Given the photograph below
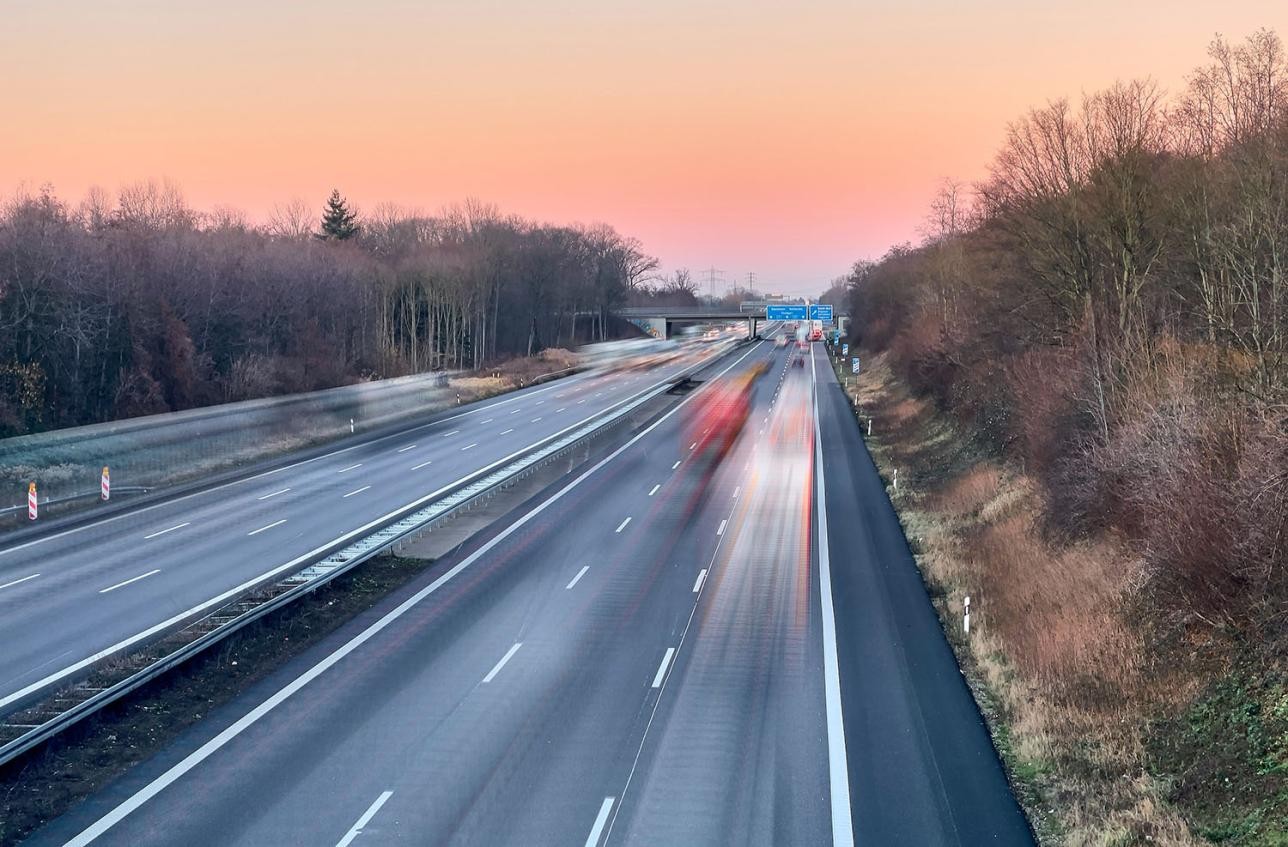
x,y
923,769
183,553
671,664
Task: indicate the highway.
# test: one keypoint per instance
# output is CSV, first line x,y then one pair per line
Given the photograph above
x,y
113,583
654,650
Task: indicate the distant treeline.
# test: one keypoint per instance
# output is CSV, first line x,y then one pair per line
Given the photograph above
x,y
1110,309
134,304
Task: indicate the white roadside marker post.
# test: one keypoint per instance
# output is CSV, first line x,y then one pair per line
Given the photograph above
x,y
31,502
351,426
105,485
966,615
896,479
869,427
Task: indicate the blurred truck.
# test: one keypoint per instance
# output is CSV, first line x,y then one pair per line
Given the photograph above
x,y
716,415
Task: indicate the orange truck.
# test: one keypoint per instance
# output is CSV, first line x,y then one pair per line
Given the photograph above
x,y
717,415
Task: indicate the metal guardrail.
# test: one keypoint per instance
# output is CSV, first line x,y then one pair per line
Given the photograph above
x,y
220,623
68,498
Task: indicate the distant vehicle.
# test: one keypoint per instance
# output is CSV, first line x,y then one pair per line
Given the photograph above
x,y
781,341
815,330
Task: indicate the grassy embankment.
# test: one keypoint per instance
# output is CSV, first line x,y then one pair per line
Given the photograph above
x,y
1110,737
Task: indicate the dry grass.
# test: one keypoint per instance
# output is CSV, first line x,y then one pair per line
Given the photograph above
x,y
1053,654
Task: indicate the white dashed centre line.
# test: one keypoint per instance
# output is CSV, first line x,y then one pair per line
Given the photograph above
x,y
274,494
575,579
623,524
357,491
450,434
676,465
128,581
351,467
507,432
496,669
534,420
270,526
661,669
654,491
561,409
422,464
164,531
736,492
18,581
600,819
408,447
702,577
468,446
693,445
720,531
357,828
489,420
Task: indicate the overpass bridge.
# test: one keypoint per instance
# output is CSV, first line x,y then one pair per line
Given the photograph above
x,y
659,320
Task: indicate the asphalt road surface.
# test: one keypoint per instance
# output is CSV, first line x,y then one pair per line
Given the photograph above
x,y
114,582
645,653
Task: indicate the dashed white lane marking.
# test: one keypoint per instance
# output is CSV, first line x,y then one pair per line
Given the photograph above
x,y
702,577
737,491
408,447
468,446
534,420
661,669
164,531
592,840
561,409
720,531
623,524
274,494
450,434
128,581
516,411
496,669
676,465
351,467
357,491
694,444
422,464
270,526
357,828
489,420
575,579
654,491
18,581
507,432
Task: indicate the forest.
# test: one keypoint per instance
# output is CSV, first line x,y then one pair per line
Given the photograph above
x,y
1110,309
134,303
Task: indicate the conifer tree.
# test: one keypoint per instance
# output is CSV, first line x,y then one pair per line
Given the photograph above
x,y
339,223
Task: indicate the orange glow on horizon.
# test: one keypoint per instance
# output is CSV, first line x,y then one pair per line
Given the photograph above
x,y
783,139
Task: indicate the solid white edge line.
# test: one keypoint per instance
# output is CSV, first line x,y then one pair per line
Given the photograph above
x,y
576,579
164,531
592,840
131,579
623,524
697,583
274,494
356,829
356,491
837,759
661,669
270,526
196,757
18,581
496,669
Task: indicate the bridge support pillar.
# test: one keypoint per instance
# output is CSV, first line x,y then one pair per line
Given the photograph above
x,y
751,326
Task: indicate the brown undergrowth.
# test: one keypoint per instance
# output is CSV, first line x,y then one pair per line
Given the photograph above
x,y
1054,655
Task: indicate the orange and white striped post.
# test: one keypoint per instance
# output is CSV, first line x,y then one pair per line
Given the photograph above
x,y
105,486
31,501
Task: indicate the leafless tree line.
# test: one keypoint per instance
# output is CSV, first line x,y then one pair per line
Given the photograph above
x,y
1111,307
135,303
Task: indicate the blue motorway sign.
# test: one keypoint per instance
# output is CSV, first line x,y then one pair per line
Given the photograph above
x,y
785,313
817,312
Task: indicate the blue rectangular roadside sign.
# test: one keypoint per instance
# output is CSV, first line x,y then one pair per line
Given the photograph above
x,y
845,348
820,312
785,313
854,365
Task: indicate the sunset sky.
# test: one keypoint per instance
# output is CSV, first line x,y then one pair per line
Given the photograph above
x,y
788,139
